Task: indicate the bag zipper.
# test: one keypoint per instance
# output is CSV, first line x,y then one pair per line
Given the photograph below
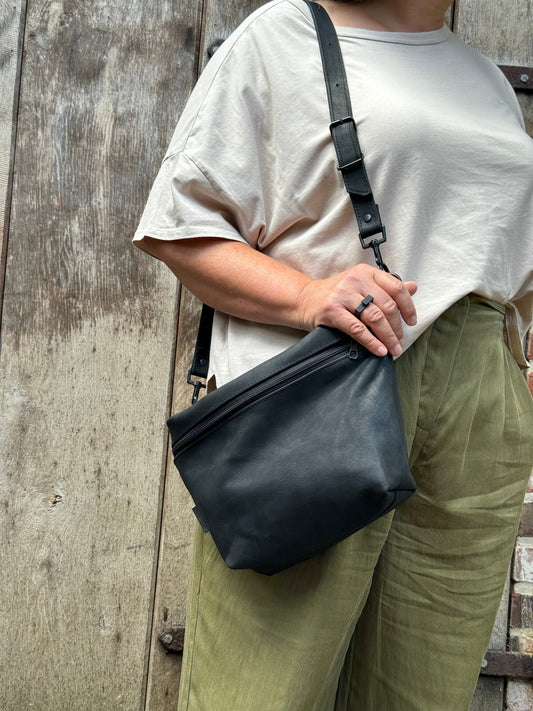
x,y
260,390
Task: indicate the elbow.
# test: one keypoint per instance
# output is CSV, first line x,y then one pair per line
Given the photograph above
x,y
154,247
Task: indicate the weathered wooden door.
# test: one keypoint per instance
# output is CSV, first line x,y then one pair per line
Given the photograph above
x,y
96,340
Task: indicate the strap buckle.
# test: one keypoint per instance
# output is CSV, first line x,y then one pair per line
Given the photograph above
x,y
357,162
339,122
197,385
352,164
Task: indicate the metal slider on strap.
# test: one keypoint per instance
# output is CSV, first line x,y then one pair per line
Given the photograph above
x,y
352,164
356,162
339,122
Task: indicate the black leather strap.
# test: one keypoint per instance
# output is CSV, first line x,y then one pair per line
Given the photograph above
x,y
200,360
350,163
344,133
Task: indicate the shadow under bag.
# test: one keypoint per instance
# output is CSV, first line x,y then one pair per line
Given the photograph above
x,y
307,448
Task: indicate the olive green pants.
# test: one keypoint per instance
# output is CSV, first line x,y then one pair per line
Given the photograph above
x,y
398,616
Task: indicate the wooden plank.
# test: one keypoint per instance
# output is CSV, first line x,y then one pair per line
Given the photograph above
x,y
502,30
178,520
87,353
12,17
176,537
489,695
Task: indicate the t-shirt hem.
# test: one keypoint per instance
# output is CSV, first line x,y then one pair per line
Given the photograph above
x,y
176,234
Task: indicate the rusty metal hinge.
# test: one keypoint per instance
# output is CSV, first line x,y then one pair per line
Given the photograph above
x,y
172,639
515,665
520,78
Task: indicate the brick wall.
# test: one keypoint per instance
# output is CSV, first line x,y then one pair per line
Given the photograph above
x,y
519,694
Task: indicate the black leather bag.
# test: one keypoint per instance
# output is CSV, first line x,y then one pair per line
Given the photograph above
x,y
307,448
296,454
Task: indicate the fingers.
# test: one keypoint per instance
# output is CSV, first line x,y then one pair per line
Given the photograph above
x,y
383,318
379,327
383,322
400,292
360,333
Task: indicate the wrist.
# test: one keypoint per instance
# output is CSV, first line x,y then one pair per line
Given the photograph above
x,y
305,318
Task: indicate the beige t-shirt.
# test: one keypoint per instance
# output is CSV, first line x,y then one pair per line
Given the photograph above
x,y
447,156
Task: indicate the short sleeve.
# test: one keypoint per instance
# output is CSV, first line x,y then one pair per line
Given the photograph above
x,y
184,204
223,174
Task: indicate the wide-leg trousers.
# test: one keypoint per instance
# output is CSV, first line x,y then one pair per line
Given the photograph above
x,y
398,616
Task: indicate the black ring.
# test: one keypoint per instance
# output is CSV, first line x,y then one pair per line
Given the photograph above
x,y
362,306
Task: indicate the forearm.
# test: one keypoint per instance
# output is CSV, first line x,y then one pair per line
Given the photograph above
x,y
234,278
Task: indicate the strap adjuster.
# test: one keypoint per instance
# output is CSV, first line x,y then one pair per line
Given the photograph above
x,y
352,164
356,162
339,122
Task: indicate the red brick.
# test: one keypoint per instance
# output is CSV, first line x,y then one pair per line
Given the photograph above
x,y
530,346
521,610
521,641
523,562
516,610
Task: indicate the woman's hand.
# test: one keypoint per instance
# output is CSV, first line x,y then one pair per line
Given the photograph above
x,y
332,302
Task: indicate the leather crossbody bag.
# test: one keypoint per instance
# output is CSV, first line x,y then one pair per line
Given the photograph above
x,y
307,448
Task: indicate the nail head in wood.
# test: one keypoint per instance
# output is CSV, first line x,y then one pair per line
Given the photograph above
x,y
520,78
172,639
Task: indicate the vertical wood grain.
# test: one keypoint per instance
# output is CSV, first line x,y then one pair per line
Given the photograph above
x,y
12,16
503,31
87,340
